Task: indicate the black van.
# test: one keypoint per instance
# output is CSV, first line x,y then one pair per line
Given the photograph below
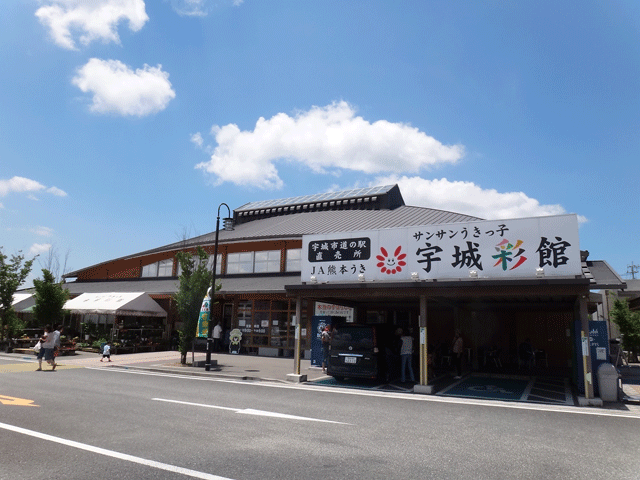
x,y
357,351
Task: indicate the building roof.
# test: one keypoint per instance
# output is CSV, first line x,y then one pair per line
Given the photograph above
x,y
601,275
369,194
295,225
230,285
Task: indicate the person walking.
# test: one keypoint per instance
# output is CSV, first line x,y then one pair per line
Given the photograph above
x,y
106,352
50,345
406,357
458,348
56,345
41,350
326,335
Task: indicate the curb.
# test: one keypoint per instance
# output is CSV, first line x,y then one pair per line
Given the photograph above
x,y
181,371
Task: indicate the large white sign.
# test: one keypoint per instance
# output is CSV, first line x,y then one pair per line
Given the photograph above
x,y
489,249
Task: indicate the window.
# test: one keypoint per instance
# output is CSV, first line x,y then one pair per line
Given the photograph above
x,y
267,261
218,264
150,270
163,268
209,265
240,262
293,260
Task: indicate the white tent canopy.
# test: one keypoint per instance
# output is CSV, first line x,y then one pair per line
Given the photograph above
x,y
137,304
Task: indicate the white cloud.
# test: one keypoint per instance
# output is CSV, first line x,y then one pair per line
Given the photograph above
x,y
91,19
42,231
197,139
116,88
330,137
26,185
19,184
38,248
469,198
56,191
190,8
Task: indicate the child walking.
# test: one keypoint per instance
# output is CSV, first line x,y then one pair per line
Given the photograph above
x,y
106,352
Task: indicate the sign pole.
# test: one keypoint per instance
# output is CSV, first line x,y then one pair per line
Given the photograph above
x,y
424,353
296,321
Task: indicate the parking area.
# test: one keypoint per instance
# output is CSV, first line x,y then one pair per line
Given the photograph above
x,y
543,390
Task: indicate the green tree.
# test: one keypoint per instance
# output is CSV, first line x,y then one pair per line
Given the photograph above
x,y
13,272
629,324
195,279
50,298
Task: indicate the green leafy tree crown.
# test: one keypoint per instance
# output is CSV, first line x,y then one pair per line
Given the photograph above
x,y
195,279
50,300
629,324
13,272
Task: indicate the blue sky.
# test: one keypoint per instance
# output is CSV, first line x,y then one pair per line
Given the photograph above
x,y
124,123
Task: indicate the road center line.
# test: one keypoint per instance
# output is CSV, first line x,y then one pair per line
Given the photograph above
x,y
251,411
111,453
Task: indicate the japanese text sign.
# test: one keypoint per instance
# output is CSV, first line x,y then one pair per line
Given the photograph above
x,y
496,249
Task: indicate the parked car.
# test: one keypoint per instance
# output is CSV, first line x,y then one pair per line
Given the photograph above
x,y
357,351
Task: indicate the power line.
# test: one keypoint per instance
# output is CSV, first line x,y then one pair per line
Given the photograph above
x,y
632,270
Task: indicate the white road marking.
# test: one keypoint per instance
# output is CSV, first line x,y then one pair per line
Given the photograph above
x,y
111,453
250,411
401,396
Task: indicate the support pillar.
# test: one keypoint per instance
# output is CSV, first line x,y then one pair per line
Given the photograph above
x,y
423,386
581,310
296,377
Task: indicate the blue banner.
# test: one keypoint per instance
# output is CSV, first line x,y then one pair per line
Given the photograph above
x,y
599,350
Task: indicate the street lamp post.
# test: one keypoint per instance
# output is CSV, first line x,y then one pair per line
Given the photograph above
x,y
228,225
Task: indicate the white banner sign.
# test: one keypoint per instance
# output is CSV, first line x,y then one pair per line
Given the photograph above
x,y
489,249
334,310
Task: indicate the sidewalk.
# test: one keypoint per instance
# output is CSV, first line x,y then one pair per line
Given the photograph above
x,y
254,368
241,367
630,375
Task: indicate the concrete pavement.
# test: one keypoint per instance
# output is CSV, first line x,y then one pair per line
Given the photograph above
x,y
254,368
241,367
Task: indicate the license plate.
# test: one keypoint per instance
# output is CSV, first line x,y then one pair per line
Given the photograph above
x,y
350,359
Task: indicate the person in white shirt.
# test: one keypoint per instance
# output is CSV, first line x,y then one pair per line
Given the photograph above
x,y
51,344
217,335
406,354
41,351
106,352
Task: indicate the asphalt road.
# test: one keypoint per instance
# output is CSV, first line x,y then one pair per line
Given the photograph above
x,y
123,424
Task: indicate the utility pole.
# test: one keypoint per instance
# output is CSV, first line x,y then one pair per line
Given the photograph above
x,y
632,270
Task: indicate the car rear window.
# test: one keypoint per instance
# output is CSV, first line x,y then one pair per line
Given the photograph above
x,y
359,337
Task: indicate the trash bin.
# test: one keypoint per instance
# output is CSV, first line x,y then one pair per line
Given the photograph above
x,y
608,378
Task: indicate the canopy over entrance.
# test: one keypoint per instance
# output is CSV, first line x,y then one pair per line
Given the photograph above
x,y
137,304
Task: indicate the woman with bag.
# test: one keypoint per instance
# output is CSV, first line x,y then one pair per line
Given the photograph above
x,y
38,347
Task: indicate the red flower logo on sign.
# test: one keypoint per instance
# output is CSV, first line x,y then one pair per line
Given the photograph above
x,y
391,264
